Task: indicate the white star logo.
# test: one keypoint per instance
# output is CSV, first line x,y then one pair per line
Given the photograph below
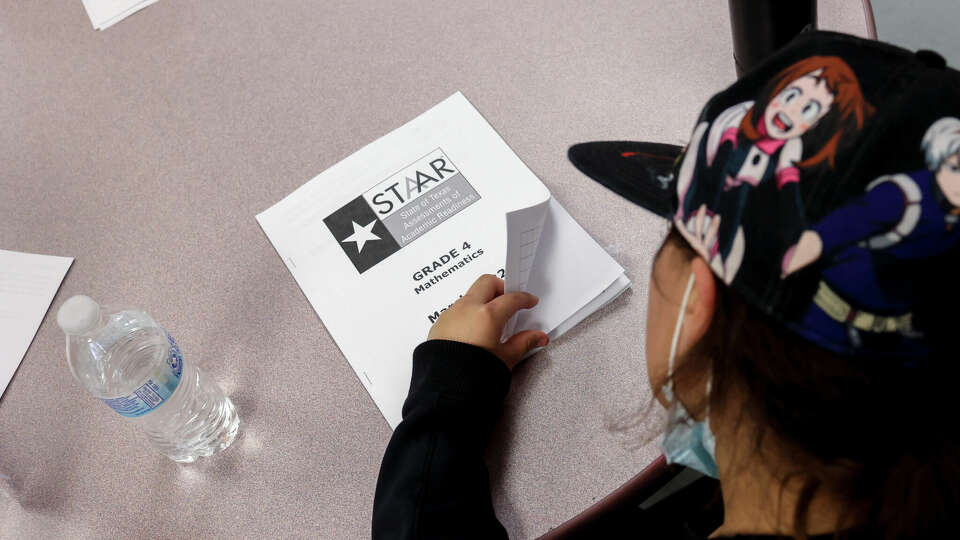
x,y
361,235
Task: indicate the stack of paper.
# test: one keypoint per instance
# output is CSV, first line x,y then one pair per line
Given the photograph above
x,y
384,241
27,285
106,13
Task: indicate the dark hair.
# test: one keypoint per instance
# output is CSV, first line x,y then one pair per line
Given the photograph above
x,y
877,434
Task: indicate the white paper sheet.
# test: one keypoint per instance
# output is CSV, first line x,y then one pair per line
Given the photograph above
x,y
569,272
28,284
105,13
384,241
615,289
524,227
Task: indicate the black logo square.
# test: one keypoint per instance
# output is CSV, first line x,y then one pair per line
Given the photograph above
x,y
362,236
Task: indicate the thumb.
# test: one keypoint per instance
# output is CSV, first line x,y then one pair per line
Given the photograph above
x,y
514,349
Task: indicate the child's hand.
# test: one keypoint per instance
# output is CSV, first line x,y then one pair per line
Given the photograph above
x,y
479,317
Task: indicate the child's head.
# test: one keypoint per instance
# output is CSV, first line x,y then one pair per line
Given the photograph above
x,y
831,380
868,431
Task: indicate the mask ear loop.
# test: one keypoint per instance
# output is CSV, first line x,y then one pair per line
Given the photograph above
x,y
709,387
709,439
668,388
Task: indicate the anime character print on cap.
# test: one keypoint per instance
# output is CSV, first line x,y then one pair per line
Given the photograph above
x,y
793,129
874,247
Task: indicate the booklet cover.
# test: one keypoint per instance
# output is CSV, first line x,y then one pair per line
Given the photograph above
x,y
384,241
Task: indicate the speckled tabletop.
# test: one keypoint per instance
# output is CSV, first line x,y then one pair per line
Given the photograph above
x,y
146,150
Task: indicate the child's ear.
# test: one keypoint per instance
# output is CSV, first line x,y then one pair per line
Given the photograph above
x,y
703,302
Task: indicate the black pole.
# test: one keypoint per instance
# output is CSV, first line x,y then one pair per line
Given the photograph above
x,y
760,27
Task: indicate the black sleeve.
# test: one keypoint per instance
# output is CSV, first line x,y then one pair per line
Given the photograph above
x,y
433,482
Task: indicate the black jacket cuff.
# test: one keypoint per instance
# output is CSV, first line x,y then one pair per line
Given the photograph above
x,y
468,375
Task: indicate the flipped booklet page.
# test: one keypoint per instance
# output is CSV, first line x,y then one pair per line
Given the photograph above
x,y
384,241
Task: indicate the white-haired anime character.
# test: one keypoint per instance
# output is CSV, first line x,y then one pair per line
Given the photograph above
x,y
941,146
901,220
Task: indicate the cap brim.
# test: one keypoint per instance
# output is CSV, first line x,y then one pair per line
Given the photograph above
x,y
640,172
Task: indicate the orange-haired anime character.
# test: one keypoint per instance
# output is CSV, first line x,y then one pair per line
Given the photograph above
x,y
799,122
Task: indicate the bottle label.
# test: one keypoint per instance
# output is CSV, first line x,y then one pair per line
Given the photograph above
x,y
158,388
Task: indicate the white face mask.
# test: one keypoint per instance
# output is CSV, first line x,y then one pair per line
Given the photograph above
x,y
687,441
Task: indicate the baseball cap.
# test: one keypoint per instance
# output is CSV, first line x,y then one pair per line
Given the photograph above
x,y
823,187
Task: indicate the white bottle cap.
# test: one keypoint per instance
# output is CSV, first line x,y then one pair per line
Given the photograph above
x,y
78,314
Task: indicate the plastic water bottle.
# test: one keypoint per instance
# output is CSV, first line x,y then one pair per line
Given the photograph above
x,y
129,362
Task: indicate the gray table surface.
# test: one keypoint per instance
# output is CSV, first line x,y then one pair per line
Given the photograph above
x,y
146,150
